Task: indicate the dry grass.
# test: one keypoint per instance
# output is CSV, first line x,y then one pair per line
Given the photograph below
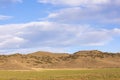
x,y
81,59
63,74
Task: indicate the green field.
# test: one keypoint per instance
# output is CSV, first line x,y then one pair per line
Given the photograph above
x,y
88,74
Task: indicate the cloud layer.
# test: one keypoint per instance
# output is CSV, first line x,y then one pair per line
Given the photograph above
x,y
107,12
52,34
70,25
74,2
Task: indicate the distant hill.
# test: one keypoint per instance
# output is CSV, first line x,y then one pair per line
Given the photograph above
x,y
80,59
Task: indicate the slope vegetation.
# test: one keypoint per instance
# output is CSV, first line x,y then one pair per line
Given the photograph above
x,y
80,59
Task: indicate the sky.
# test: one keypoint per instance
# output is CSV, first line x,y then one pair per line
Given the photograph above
x,y
59,25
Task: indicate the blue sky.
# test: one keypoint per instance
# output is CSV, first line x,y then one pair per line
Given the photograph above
x,y
59,25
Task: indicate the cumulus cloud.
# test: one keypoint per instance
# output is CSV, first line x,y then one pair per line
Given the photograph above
x,y
52,35
3,17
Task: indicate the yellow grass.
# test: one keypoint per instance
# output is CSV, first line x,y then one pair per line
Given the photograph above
x,y
62,74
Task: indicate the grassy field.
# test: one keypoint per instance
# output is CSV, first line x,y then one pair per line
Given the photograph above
x,y
92,74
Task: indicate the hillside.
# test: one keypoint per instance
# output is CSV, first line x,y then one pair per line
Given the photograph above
x,y
80,59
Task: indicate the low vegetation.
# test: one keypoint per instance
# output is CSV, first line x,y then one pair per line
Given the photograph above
x,y
73,74
80,59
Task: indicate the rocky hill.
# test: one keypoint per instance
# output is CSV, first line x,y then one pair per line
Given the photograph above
x,y
80,59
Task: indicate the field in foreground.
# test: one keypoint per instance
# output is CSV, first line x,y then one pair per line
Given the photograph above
x,y
88,74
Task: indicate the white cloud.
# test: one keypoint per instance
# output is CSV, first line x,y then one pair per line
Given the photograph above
x,y
10,42
85,11
3,17
52,35
116,31
74,2
86,15
83,3
59,29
